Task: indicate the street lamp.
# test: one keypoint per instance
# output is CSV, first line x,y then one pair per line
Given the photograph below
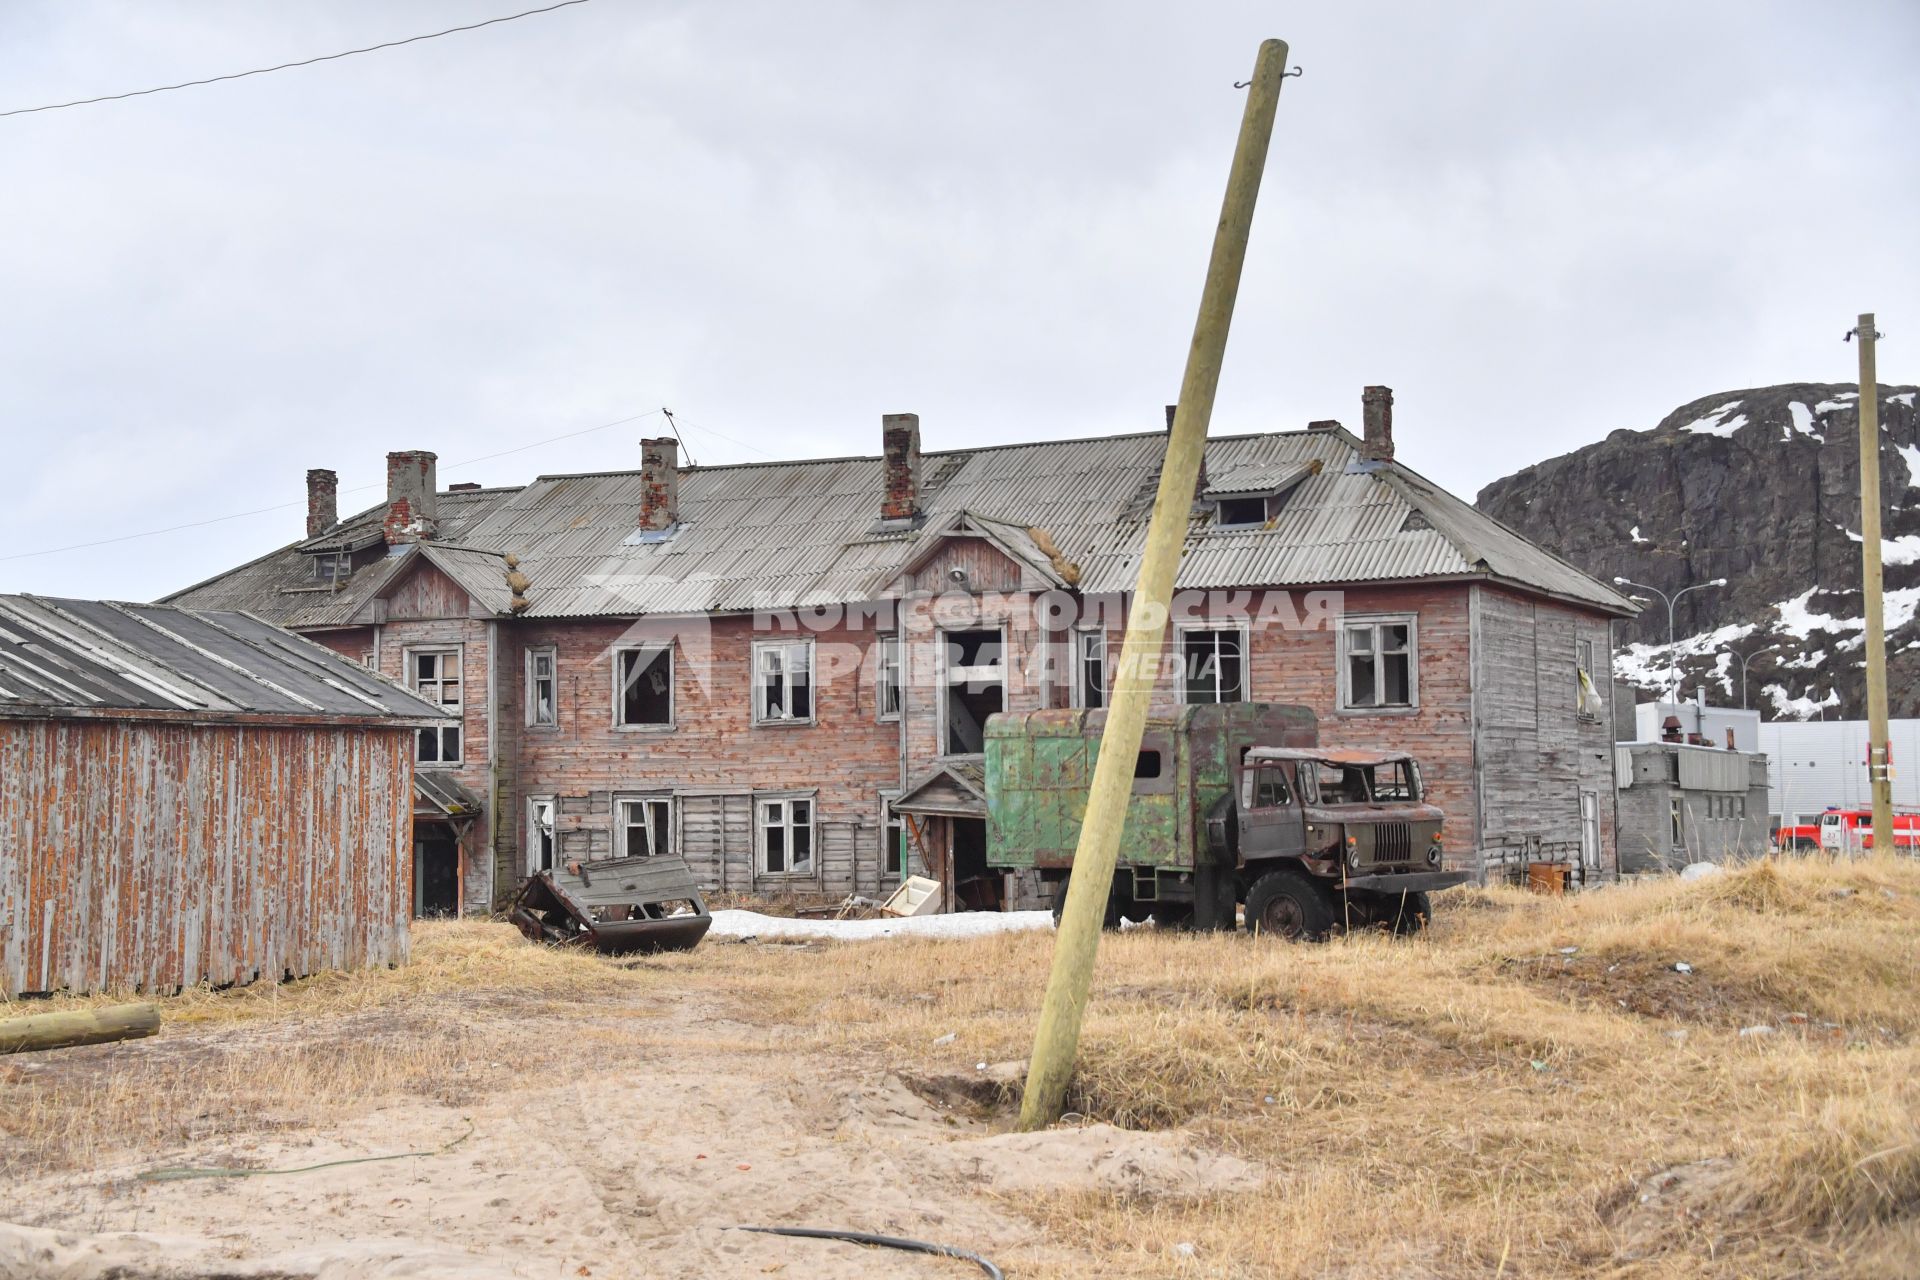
x,y
1673,659
1745,658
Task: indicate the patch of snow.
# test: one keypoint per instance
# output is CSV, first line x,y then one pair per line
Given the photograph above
x,y
1838,402
1723,671
1911,453
1801,708
1802,422
1634,532
1900,606
1905,398
1904,549
964,924
1717,423
1649,665
1806,661
1700,870
1799,621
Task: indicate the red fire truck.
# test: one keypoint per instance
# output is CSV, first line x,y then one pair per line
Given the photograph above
x,y
1846,831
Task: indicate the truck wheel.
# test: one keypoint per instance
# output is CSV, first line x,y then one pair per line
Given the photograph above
x,y
1115,903
1405,914
1288,904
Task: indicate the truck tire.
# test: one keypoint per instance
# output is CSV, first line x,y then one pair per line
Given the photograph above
x,y
1405,914
1116,903
1290,904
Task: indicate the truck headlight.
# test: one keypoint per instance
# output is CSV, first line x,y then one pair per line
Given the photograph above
x,y
1433,854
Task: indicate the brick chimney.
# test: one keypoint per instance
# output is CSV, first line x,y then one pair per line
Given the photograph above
x,y
413,497
900,447
659,483
323,501
1376,411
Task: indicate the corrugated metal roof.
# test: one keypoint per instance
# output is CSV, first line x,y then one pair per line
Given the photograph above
x,y
76,656
782,535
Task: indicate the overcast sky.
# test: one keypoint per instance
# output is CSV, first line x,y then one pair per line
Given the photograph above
x,y
1537,223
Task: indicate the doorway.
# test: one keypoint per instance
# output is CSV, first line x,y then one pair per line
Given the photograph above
x,y
436,870
976,887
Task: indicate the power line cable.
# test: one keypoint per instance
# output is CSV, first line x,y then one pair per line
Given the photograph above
x,y
288,66
282,506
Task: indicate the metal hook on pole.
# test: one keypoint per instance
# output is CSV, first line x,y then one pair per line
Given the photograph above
x,y
1284,75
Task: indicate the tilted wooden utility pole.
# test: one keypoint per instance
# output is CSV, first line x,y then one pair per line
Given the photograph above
x,y
1879,749
1058,1039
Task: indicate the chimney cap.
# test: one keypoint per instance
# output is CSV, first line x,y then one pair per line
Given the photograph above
x,y
1324,424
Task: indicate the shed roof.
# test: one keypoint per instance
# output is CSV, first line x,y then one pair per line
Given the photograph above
x,y
793,534
99,657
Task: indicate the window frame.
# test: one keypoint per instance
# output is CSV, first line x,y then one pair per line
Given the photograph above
x,y
1186,629
622,828
786,800
552,655
409,655
755,689
1584,654
340,561
1345,673
889,821
889,655
673,689
1082,637
530,852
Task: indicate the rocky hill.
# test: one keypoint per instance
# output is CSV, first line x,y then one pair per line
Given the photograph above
x,y
1759,487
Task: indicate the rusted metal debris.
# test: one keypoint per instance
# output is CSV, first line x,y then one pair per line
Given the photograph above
x,y
615,906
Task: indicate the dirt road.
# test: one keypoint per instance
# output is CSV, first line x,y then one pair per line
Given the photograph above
x,y
635,1166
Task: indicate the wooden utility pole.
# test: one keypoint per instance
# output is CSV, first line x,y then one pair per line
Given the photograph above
x,y
81,1026
1879,748
1057,1041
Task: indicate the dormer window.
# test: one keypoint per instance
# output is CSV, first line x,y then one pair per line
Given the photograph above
x,y
333,566
1241,513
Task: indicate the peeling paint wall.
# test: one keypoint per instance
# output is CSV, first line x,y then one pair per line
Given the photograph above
x,y
137,854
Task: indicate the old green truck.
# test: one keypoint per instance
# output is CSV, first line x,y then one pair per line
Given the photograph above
x,y
1233,804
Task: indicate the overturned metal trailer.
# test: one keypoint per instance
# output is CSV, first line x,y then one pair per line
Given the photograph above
x,y
195,797
615,906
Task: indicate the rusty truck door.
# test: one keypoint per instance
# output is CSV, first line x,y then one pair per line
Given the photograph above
x,y
1271,824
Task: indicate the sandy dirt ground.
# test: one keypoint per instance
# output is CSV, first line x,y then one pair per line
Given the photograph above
x,y
635,1168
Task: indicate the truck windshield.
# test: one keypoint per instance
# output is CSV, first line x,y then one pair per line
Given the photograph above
x,y
1328,783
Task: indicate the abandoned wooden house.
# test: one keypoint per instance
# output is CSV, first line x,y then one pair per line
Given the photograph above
x,y
195,797
780,670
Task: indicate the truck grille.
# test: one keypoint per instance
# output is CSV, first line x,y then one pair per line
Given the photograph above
x,y
1393,842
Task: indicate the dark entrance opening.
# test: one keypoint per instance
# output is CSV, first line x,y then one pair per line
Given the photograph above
x,y
436,870
975,887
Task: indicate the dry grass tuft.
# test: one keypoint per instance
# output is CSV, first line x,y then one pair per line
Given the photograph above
x,y
1847,1163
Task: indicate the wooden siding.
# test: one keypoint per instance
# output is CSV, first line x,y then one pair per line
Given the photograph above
x,y
150,856
1535,754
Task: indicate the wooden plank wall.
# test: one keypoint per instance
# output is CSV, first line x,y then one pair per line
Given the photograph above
x,y
150,856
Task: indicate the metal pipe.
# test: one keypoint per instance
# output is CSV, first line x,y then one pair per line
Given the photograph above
x,y
1057,1040
1673,658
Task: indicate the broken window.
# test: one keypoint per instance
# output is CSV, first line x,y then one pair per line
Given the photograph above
x,y
1214,664
893,842
541,842
1394,782
333,566
1240,513
976,681
1147,764
434,674
1090,675
1270,788
643,693
786,837
541,709
887,681
1380,664
1674,806
783,684
643,825
1586,701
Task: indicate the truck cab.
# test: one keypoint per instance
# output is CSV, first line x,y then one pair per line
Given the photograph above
x,y
1326,836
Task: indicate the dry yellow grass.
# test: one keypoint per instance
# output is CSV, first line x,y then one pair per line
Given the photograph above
x,y
1531,1089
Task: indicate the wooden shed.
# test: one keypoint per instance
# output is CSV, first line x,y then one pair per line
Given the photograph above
x,y
193,797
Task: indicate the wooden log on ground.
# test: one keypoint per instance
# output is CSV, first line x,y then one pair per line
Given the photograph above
x,y
82,1026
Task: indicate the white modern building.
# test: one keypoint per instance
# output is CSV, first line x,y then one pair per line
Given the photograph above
x,y
1699,724
1822,763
